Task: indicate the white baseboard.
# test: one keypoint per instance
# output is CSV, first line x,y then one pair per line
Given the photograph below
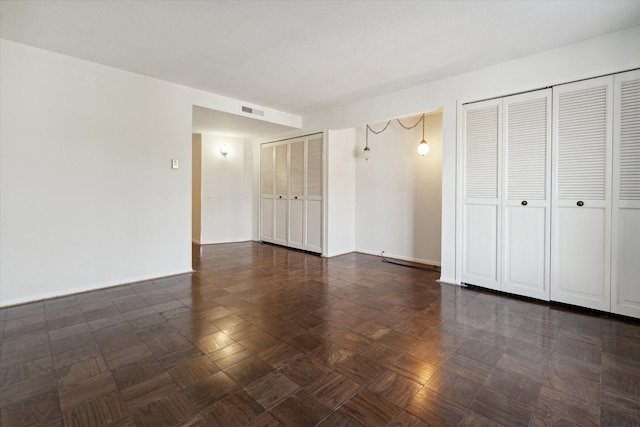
x,y
67,292
223,242
331,255
403,258
448,281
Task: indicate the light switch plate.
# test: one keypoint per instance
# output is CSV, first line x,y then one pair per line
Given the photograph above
x,y
174,164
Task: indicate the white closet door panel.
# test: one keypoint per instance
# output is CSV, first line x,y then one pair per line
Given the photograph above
x,y
314,226
266,162
526,199
581,210
314,167
626,267
625,275
482,132
583,134
281,220
267,186
580,275
313,195
282,170
296,222
525,248
296,169
266,220
480,236
481,124
627,139
527,138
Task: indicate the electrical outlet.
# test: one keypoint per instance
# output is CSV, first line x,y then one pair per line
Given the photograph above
x,y
174,164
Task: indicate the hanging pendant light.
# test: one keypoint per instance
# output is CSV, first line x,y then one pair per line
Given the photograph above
x,y
367,150
423,147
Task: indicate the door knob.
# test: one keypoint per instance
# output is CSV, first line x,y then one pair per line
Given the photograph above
x,y
524,203
280,197
580,203
296,197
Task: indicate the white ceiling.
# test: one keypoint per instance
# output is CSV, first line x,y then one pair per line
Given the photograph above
x,y
304,56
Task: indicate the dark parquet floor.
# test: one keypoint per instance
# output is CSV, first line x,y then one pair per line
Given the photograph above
x,y
263,336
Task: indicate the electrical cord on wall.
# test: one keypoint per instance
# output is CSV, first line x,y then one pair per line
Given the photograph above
x,y
419,267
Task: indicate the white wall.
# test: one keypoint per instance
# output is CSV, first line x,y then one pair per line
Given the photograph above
x,y
87,195
607,54
341,192
226,190
398,192
196,187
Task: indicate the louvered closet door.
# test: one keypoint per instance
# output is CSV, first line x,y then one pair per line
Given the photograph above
x,y
481,124
526,199
296,194
281,194
267,190
625,275
581,211
313,195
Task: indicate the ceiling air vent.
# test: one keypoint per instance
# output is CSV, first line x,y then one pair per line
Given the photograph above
x,y
252,111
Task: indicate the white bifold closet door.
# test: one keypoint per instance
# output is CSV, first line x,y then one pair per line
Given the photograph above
x,y
581,207
267,191
296,193
305,193
625,277
313,195
280,235
291,193
274,189
526,194
482,132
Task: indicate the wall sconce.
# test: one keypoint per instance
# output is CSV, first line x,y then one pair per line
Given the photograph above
x,y
423,147
367,151
224,150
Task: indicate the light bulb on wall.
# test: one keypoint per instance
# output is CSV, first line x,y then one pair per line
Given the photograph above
x,y
224,150
423,148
